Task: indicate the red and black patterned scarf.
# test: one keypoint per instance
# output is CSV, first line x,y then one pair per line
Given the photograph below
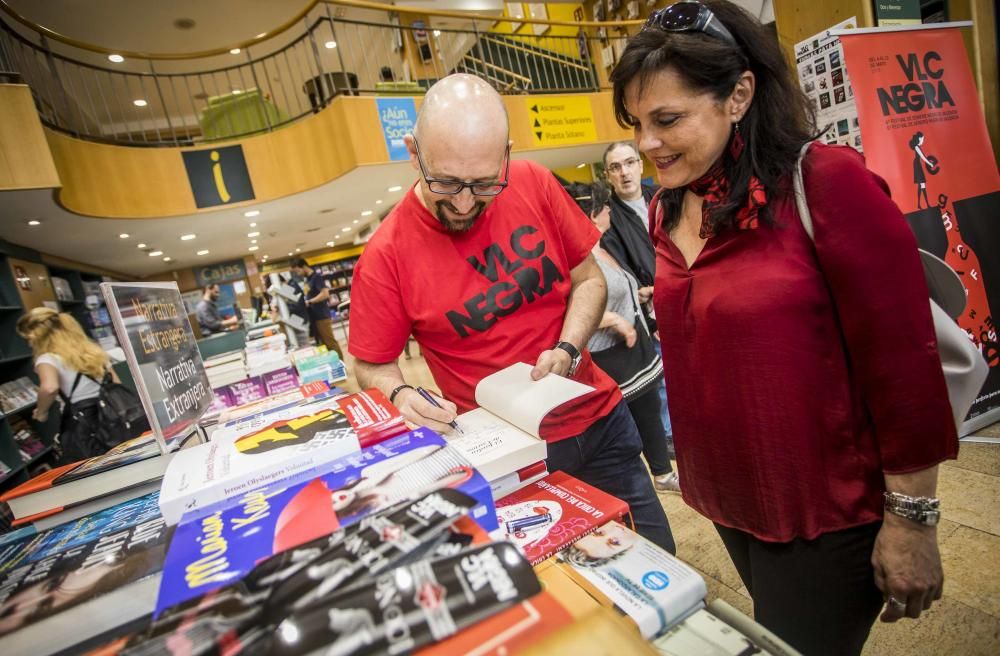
x,y
713,187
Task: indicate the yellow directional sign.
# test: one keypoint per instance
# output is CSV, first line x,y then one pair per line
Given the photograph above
x,y
561,120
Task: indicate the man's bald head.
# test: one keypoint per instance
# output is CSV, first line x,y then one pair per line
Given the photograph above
x,y
462,109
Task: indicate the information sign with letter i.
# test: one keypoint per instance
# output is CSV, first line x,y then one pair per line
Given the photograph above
x,y
162,354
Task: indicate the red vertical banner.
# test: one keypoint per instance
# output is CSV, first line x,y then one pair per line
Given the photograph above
x,y
923,131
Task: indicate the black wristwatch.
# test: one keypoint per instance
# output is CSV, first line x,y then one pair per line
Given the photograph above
x,y
574,354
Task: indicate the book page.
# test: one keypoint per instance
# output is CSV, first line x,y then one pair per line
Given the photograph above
x,y
510,393
487,440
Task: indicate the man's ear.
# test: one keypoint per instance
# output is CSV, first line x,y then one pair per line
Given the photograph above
x,y
411,148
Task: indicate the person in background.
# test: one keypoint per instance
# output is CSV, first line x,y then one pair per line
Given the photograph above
x,y
809,427
207,312
623,347
71,365
627,240
487,262
316,296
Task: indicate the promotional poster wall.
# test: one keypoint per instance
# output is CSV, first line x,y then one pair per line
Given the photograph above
x,y
924,132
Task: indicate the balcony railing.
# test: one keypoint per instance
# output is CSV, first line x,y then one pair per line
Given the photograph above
x,y
178,100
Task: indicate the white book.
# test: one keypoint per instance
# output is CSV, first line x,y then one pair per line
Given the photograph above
x,y
502,435
514,481
233,356
288,293
255,451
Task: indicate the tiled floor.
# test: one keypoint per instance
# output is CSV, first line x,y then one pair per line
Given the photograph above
x,y
966,621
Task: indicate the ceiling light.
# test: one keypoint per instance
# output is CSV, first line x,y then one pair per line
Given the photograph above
x,y
366,213
252,234
330,243
437,32
187,237
298,250
34,222
253,241
139,102
155,253
205,252
140,245
345,229
253,248
330,44
124,235
378,202
237,92
580,166
355,220
396,188
260,35
116,58
253,225
289,255
251,213
166,259
234,51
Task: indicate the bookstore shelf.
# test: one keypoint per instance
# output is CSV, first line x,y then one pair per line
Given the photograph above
x,y
17,411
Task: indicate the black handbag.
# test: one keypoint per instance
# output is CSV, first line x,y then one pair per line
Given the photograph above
x,y
93,426
637,369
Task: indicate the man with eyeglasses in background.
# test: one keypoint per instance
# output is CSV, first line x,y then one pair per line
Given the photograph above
x,y
627,240
487,262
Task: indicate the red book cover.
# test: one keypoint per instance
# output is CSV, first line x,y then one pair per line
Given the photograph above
x,y
372,417
553,513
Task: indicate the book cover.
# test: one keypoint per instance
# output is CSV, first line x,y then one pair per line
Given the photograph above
x,y
553,513
514,481
655,589
373,417
224,544
245,391
35,547
38,590
255,451
273,401
280,380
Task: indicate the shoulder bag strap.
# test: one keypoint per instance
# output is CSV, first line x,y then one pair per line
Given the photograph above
x,y
800,193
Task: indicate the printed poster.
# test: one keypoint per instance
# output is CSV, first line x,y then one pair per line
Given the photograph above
x,y
823,77
925,134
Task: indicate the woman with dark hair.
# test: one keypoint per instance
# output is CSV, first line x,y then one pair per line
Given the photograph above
x,y
919,159
809,426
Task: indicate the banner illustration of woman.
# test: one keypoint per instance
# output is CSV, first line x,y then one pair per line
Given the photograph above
x,y
919,160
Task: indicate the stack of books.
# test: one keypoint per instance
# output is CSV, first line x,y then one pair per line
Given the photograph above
x,y
225,369
16,394
325,366
267,354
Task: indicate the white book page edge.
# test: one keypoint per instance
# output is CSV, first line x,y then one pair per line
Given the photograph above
x,y
510,393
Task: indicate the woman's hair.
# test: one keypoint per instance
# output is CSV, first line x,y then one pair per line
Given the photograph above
x,y
915,139
590,197
776,125
48,331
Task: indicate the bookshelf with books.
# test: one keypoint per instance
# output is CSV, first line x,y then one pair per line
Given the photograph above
x,y
339,275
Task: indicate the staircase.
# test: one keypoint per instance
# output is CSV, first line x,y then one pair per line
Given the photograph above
x,y
513,65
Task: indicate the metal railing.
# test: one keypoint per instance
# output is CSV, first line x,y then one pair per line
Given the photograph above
x,y
174,100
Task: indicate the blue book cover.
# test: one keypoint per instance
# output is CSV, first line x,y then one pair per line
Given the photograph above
x,y
35,547
215,549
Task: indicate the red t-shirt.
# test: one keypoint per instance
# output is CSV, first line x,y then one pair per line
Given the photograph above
x,y
798,374
480,301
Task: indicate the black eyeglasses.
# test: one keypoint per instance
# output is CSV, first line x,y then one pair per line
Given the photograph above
x,y
455,187
689,16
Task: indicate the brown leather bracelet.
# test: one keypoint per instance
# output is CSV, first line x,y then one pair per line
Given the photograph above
x,y
392,395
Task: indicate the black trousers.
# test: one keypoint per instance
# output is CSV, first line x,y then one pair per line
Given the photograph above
x,y
817,595
645,410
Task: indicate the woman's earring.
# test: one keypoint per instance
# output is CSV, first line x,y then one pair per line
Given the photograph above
x,y
736,144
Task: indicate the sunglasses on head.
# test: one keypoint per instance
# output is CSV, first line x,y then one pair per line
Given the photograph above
x,y
689,16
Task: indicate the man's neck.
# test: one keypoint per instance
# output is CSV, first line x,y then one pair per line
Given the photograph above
x,y
636,196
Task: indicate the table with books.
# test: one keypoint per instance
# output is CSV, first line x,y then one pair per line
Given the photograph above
x,y
316,521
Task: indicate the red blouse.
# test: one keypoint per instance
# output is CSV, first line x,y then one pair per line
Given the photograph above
x,y
798,374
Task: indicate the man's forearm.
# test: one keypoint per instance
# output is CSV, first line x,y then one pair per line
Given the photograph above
x,y
584,311
385,376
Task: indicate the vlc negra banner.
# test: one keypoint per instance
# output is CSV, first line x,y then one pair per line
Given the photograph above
x,y
923,131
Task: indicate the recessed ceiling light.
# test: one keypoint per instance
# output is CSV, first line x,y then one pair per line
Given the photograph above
x,y
298,250
251,213
580,166
396,188
166,259
155,253
345,229
205,252
330,44
355,221
252,234
253,225
289,254
260,35
437,32
140,246
33,222
378,202
253,241
234,51
116,58
124,235
187,237
139,102
330,243
253,248
366,213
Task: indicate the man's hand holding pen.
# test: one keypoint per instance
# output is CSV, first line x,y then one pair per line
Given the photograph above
x,y
420,412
